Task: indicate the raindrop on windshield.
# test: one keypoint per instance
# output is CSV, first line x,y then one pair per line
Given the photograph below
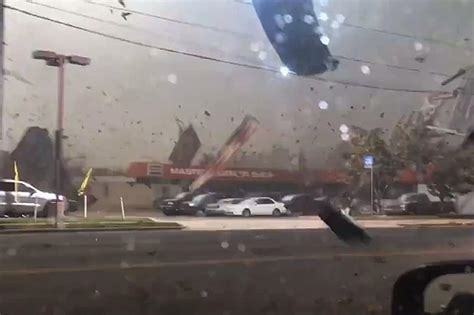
x,y
255,46
204,294
335,24
279,21
365,69
418,46
262,55
288,18
284,71
172,78
340,18
225,245
343,128
309,19
323,16
323,105
280,38
345,137
241,247
325,40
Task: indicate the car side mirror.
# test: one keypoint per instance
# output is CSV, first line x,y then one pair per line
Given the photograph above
x,y
441,288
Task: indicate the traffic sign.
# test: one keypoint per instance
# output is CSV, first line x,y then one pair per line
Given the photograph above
x,y
368,161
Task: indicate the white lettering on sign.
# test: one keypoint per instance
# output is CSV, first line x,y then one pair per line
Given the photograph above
x,y
223,173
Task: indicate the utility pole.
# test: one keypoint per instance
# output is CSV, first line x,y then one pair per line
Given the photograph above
x,y
56,60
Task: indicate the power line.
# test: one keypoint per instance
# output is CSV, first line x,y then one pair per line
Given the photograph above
x,y
427,39
164,18
126,26
208,58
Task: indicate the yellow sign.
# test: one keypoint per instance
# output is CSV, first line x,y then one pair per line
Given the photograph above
x,y
84,183
17,175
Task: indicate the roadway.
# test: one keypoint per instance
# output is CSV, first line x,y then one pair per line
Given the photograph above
x,y
257,271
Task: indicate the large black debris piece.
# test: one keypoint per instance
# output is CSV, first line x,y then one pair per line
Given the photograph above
x,y
294,32
34,156
186,148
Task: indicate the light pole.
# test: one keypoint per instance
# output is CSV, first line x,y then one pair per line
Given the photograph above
x,y
56,60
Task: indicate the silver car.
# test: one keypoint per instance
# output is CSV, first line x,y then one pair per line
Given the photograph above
x,y
24,199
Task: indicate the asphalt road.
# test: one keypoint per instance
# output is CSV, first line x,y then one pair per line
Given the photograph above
x,y
215,272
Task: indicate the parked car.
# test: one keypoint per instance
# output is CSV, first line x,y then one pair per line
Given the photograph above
x,y
221,206
198,204
258,206
420,204
303,204
172,206
24,199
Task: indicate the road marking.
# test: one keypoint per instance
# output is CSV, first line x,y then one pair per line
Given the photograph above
x,y
231,261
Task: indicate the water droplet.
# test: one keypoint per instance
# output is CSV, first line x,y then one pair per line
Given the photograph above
x,y
319,30
323,105
255,46
309,19
241,247
225,245
287,18
279,21
204,294
345,137
365,69
280,38
262,55
418,46
11,251
96,293
284,71
335,24
172,78
323,16
340,18
325,40
343,128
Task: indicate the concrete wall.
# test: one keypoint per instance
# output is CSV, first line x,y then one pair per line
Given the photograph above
x,y
123,106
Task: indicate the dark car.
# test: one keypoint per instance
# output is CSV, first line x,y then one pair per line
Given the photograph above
x,y
304,204
197,205
420,204
173,206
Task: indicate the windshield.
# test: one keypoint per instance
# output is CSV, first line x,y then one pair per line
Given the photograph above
x,y
231,156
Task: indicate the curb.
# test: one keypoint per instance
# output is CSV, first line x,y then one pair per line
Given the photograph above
x,y
173,226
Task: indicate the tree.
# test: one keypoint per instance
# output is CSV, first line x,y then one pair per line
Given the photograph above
x,y
386,164
452,173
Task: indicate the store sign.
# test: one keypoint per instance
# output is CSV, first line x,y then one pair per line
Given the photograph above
x,y
192,172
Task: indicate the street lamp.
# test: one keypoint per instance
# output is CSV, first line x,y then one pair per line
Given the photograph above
x,y
56,60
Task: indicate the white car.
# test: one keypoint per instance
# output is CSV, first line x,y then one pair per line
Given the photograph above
x,y
258,206
25,199
221,206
